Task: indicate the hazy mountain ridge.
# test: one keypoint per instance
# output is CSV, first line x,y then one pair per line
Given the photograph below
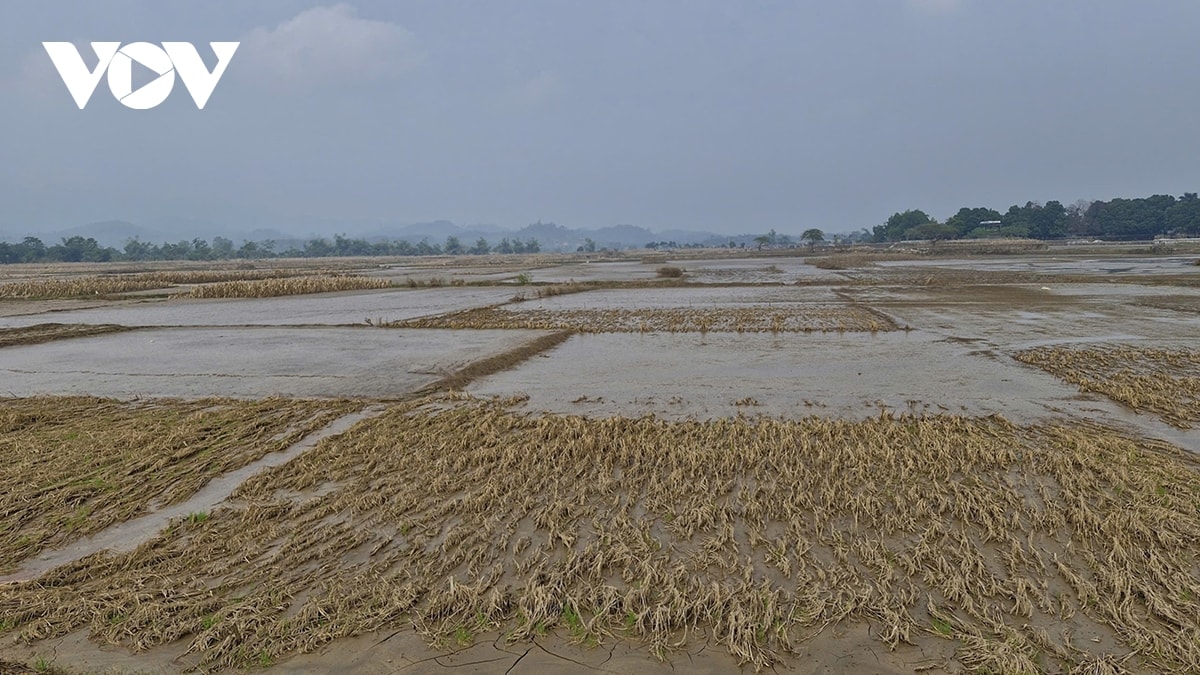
x,y
551,236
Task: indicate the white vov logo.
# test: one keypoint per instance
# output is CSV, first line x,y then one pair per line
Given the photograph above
x,y
165,61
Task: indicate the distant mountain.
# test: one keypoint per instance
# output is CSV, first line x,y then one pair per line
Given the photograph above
x,y
550,236
688,237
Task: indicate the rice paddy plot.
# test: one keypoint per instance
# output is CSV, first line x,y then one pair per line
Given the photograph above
x,y
789,318
850,375
73,466
1163,382
75,287
208,276
347,308
249,362
1046,547
267,288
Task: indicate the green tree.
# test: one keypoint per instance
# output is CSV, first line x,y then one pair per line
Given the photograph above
x,y
931,231
453,246
813,236
139,250
200,250
481,247
900,223
968,219
222,248
1184,216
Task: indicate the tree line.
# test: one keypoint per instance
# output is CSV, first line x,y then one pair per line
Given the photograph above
x,y
1116,219
87,249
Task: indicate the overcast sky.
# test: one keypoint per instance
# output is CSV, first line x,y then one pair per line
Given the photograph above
x,y
730,116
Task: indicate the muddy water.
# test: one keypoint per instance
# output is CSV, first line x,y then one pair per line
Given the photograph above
x,y
248,362
669,298
296,310
848,375
1020,316
130,534
1048,264
853,647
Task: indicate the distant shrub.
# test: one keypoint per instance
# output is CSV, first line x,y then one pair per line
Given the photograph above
x,y
670,272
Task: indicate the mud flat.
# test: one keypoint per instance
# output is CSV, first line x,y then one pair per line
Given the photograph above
x,y
1099,266
324,308
852,376
1020,316
773,270
248,362
682,298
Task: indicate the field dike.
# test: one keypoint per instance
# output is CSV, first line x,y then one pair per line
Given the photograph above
x,y
48,332
460,518
1164,382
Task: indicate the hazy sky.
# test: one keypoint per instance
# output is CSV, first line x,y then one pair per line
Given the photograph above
x,y
731,115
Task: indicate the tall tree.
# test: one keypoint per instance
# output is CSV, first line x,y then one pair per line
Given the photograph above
x,y
898,225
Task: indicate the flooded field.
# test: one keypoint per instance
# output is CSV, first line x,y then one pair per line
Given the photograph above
x,y
984,464
248,362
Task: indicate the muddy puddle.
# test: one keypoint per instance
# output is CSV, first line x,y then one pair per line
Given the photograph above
x,y
248,362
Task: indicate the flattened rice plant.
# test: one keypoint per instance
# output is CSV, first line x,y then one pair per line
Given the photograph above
x,y
456,517
1165,382
75,287
266,288
75,465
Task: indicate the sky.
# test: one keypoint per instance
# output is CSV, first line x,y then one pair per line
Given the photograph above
x,y
730,116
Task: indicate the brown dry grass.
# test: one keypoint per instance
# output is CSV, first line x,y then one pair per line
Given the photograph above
x,y
75,465
789,318
551,290
462,518
1165,382
75,287
46,332
268,288
213,276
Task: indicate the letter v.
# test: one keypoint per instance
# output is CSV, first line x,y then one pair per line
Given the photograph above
x,y
199,82
74,72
